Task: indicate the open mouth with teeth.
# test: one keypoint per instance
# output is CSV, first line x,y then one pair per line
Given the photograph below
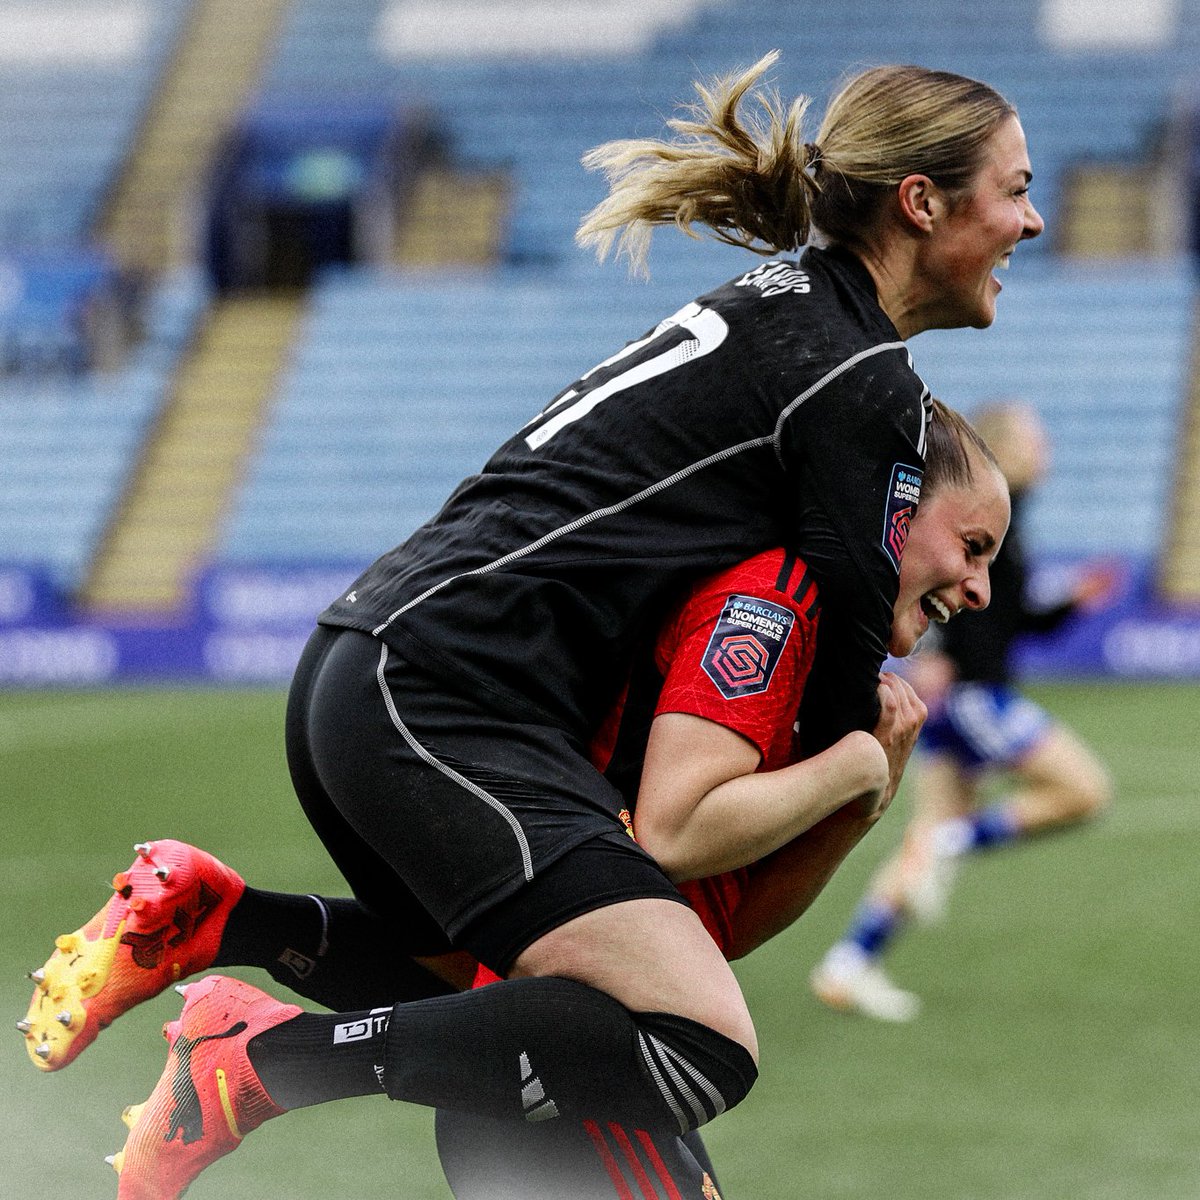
x,y
935,609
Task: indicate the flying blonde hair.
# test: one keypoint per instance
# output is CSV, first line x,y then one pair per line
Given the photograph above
x,y
753,181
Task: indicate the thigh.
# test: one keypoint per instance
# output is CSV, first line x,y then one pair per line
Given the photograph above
x,y
1061,759
1059,781
652,955
607,870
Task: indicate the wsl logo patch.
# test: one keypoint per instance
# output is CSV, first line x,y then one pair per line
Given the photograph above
x,y
904,493
746,645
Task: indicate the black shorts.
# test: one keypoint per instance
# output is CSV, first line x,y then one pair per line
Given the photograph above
x,y
471,830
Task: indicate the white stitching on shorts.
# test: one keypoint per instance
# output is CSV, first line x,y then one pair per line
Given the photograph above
x,y
450,773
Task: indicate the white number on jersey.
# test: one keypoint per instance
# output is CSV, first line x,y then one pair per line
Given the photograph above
x,y
708,330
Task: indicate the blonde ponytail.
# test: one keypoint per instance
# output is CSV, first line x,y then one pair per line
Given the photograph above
x,y
754,181
743,176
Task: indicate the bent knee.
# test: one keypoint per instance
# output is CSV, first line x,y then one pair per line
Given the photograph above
x,y
1090,793
699,1071
1068,782
731,1020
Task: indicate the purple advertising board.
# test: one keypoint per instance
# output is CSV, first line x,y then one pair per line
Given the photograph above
x,y
248,624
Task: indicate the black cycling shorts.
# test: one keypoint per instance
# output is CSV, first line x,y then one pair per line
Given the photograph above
x,y
471,830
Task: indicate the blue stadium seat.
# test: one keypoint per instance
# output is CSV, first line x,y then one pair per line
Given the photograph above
x,y
538,116
406,383
1103,354
67,128
67,445
402,383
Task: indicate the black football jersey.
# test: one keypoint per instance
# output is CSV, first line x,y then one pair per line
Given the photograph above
x,y
780,409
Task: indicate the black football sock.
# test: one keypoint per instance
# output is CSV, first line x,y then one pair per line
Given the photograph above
x,y
318,1057
532,1049
333,951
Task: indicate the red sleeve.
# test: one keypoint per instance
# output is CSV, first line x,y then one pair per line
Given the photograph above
x,y
739,649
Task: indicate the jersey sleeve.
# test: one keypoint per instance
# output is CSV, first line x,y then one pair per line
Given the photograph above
x,y
739,650
855,449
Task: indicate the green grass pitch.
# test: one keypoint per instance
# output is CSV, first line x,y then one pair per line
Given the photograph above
x,y
1057,1057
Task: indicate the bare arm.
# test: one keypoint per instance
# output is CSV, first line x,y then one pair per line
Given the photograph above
x,y
783,887
703,808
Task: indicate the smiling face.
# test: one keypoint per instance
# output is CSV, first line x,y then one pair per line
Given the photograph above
x,y
976,235
953,539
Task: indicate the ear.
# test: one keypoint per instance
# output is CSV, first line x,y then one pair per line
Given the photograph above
x,y
921,202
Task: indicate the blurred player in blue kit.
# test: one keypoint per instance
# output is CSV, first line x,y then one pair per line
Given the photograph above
x,y
980,729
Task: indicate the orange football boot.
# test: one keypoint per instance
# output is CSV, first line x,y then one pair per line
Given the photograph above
x,y
163,922
208,1096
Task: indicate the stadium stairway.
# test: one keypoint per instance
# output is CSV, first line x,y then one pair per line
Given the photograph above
x,y
454,216
148,224
171,512
1107,213
1179,579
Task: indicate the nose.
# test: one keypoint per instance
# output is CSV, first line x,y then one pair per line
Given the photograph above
x,y
977,589
1033,222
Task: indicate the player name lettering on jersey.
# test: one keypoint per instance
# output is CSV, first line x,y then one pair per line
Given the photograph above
x,y
775,278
